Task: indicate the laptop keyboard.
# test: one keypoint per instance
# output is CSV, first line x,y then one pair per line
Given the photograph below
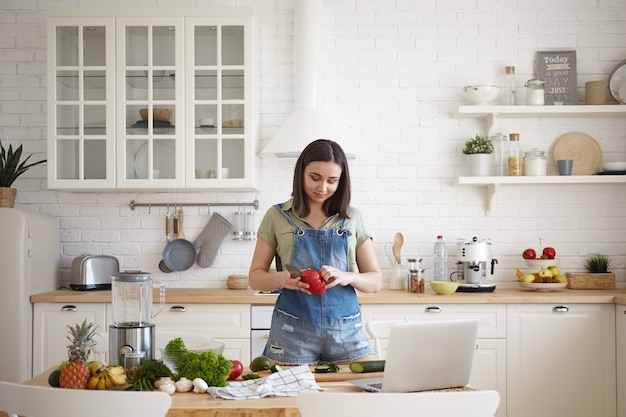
x,y
377,385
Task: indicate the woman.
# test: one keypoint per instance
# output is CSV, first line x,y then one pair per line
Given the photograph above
x,y
317,229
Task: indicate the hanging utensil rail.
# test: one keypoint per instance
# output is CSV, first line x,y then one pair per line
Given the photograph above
x,y
134,204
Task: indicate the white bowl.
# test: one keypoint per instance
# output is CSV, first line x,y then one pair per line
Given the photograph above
x,y
613,166
481,94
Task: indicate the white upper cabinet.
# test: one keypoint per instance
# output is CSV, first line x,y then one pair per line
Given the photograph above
x,y
81,100
152,102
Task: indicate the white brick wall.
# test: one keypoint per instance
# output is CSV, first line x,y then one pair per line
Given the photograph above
x,y
393,77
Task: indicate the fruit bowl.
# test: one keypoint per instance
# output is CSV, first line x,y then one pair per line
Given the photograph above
x,y
481,94
541,263
541,286
444,287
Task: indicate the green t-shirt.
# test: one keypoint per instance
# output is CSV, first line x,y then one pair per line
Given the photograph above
x,y
277,231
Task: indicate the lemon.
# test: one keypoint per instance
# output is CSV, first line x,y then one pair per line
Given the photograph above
x,y
260,363
527,278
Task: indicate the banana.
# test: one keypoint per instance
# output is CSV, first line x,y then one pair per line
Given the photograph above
x,y
519,273
117,375
109,381
93,382
102,382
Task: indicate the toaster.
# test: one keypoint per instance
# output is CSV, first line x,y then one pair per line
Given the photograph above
x,y
93,272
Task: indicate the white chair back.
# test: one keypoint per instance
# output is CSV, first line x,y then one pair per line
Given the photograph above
x,y
379,329
33,401
427,404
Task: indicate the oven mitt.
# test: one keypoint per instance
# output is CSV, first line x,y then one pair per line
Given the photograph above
x,y
210,239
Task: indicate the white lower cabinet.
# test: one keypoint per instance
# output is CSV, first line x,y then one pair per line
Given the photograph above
x,y
228,323
620,328
561,360
489,366
50,321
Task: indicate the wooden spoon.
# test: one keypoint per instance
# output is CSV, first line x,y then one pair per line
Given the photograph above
x,y
398,241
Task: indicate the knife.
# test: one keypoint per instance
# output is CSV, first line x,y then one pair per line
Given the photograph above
x,y
293,271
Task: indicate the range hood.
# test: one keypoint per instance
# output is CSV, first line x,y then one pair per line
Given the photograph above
x,y
306,123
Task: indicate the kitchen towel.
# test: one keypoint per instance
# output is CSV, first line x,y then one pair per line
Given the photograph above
x,y
210,239
286,383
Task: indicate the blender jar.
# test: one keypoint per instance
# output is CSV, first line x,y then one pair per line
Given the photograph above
x,y
131,298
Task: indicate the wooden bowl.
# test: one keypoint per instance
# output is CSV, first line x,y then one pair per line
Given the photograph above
x,y
157,114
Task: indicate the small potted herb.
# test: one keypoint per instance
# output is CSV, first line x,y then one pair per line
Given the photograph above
x,y
11,167
478,151
597,277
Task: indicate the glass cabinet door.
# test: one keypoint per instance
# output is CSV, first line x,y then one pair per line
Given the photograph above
x,y
80,103
150,98
217,80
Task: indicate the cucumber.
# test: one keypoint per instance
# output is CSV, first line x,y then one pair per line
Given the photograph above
x,y
367,366
327,367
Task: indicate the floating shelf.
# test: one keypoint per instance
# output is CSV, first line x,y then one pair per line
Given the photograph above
x,y
491,184
491,113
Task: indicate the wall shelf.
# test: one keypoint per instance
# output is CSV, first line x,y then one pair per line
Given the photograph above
x,y
491,113
491,183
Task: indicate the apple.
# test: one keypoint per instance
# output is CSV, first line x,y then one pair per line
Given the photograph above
x,y
546,273
527,278
529,254
560,278
556,271
549,252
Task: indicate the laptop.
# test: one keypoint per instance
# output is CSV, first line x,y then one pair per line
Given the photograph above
x,y
426,355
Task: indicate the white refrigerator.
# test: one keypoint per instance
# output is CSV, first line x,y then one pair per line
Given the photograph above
x,y
29,264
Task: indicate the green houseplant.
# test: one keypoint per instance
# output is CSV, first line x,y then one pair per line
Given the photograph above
x,y
597,277
478,155
11,167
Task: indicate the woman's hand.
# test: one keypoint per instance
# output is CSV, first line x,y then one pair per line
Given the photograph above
x,y
334,276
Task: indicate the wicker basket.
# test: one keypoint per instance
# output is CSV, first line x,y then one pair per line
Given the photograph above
x,y
7,197
590,281
237,282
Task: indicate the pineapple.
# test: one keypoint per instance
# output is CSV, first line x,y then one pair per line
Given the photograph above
x,y
75,373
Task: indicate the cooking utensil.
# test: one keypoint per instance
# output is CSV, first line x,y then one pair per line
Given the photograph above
x,y
398,241
583,149
179,254
295,272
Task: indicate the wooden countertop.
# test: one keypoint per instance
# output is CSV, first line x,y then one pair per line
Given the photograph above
x,y
196,405
502,295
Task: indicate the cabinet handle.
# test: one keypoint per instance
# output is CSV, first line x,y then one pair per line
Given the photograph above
x,y
561,309
178,309
433,309
69,308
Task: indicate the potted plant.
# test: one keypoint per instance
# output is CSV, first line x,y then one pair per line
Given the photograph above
x,y
11,167
478,151
597,277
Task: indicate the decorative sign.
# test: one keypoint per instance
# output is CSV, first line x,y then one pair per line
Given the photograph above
x,y
558,70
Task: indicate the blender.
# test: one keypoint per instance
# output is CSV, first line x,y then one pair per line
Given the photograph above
x,y
132,330
472,258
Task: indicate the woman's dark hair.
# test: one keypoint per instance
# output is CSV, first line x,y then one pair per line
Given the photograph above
x,y
327,151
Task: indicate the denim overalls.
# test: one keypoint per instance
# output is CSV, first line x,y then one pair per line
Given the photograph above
x,y
307,329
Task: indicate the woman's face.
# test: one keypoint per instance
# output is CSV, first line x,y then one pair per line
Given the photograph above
x,y
321,179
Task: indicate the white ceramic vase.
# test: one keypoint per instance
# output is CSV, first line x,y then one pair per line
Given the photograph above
x,y
478,165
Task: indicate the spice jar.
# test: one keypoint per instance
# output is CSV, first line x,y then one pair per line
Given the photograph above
x,y
416,276
535,162
515,162
535,92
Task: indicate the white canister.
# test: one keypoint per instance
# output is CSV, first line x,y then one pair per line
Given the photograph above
x,y
535,92
535,163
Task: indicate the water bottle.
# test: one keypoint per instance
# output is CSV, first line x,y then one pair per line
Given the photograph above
x,y
440,260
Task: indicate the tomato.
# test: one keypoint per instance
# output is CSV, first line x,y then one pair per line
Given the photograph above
x,y
317,285
236,369
549,252
529,254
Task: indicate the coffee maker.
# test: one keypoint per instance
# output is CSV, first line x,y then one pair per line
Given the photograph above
x,y
473,255
132,330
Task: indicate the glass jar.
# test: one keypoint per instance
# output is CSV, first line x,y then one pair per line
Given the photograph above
x,y
501,149
535,92
515,162
535,163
